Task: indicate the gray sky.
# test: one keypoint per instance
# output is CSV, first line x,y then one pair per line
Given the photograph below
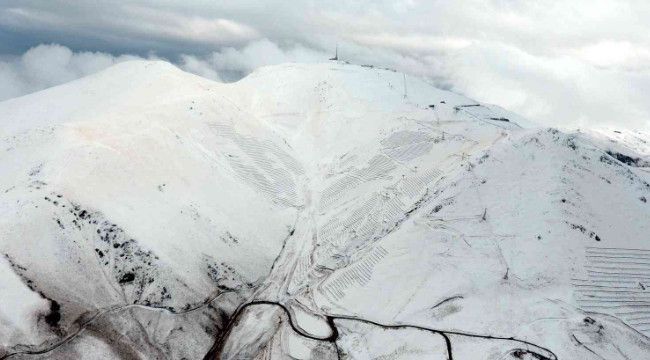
x,y
577,63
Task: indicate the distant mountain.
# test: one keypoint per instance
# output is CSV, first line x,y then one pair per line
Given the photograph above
x,y
326,211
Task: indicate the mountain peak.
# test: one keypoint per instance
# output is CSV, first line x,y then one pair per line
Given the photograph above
x,y
313,209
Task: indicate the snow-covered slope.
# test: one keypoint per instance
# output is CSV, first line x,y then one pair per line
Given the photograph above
x,y
313,211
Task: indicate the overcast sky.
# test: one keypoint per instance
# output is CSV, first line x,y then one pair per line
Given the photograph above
x,y
575,63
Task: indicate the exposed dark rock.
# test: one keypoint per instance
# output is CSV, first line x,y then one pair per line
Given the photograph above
x,y
127,278
628,160
54,316
500,119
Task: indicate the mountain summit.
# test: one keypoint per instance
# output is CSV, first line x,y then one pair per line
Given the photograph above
x,y
323,211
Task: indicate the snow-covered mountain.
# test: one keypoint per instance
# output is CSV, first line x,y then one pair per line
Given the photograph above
x,y
326,211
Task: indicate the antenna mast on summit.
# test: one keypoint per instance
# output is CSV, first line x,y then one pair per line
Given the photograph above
x,y
404,75
336,54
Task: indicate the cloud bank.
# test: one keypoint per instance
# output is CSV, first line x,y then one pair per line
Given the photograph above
x,y
579,63
48,65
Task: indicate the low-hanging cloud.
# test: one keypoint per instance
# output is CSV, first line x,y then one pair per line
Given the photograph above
x,y
48,65
556,91
579,63
232,63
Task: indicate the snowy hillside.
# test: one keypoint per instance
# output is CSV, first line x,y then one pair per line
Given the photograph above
x,y
326,211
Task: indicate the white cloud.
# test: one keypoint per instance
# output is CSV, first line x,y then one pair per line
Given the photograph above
x,y
48,65
260,53
129,23
199,67
412,43
579,62
156,23
621,55
556,91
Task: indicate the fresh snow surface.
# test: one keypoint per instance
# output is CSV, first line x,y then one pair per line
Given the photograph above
x,y
324,211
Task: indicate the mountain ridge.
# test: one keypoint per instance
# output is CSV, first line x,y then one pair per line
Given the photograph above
x,y
164,203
